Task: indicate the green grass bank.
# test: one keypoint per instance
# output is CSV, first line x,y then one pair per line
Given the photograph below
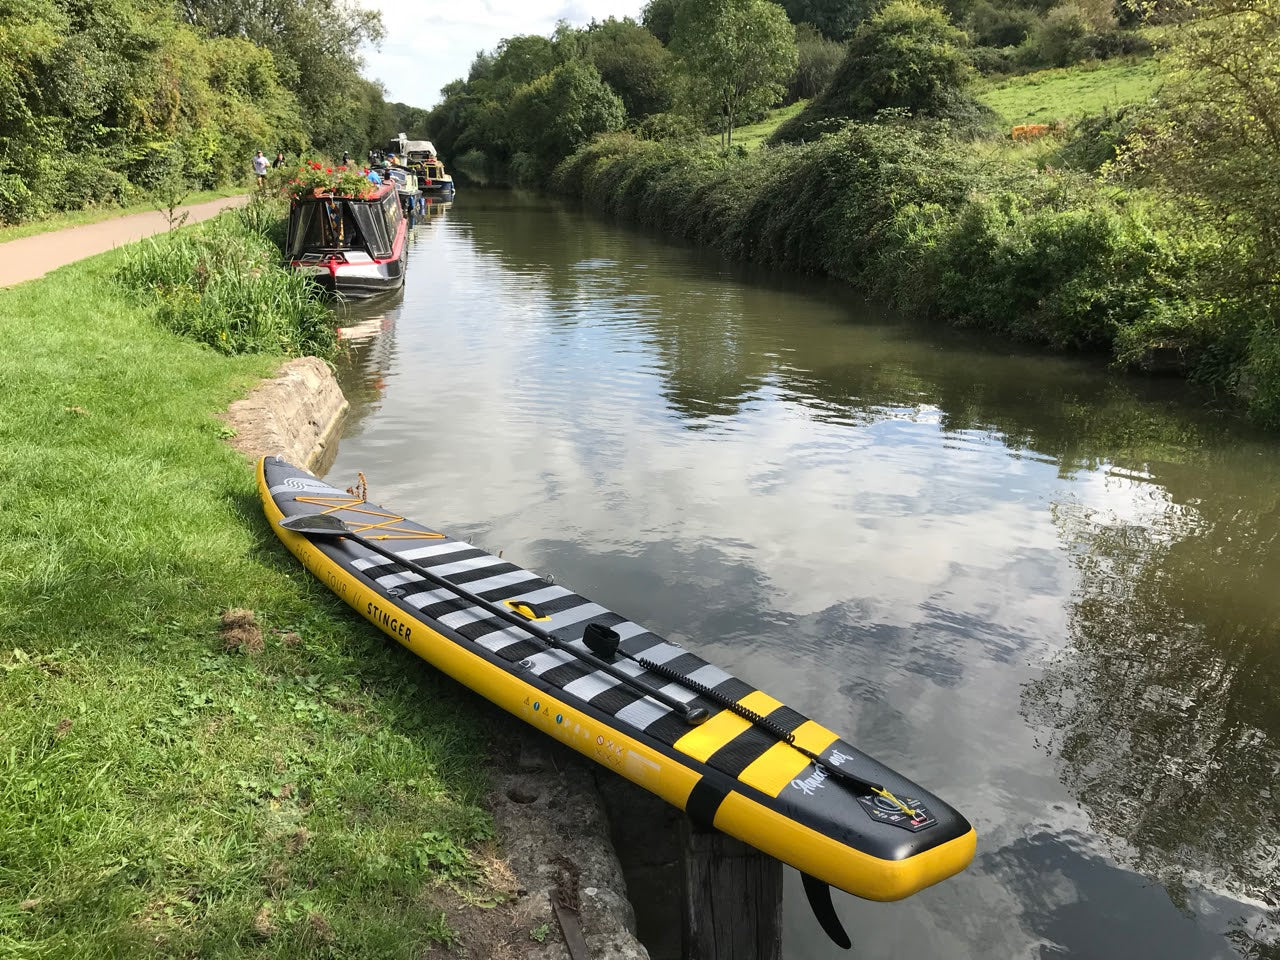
x,y
945,229
168,788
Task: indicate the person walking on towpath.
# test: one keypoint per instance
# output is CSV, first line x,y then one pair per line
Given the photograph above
x,y
260,165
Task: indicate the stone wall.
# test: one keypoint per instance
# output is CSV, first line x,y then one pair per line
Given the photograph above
x,y
296,415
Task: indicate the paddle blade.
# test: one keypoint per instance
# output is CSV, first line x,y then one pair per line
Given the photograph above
x,y
601,641
316,525
819,895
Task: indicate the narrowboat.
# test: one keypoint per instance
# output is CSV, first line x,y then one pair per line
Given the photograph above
x,y
432,178
352,246
420,157
406,182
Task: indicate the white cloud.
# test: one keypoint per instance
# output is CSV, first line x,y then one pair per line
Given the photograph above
x,y
431,44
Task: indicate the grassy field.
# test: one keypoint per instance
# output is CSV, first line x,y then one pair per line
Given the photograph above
x,y
77,218
1047,95
753,136
299,786
1071,92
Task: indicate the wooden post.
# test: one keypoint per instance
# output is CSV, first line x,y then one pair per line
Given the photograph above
x,y
732,901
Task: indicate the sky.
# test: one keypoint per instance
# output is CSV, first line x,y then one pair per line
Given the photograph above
x,y
429,44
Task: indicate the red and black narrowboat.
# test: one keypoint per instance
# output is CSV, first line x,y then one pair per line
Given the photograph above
x,y
352,246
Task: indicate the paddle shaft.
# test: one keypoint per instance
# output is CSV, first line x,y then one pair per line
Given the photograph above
x,y
515,619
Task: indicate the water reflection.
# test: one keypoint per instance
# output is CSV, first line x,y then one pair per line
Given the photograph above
x,y
1046,591
366,351
1162,711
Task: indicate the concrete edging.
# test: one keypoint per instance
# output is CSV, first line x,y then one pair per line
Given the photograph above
x,y
296,415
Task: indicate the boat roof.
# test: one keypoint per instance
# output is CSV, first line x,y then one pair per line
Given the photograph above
x,y
380,191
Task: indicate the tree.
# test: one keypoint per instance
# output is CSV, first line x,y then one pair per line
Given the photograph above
x,y
561,110
1062,37
996,25
402,118
520,60
315,44
632,61
909,57
834,19
659,17
819,58
1215,142
736,56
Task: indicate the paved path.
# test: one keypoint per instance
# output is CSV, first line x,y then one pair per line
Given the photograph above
x,y
33,257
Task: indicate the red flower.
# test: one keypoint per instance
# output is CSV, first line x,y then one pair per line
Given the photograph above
x,y
328,169
314,165
342,169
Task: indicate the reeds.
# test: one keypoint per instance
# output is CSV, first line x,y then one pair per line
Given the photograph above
x,y
222,284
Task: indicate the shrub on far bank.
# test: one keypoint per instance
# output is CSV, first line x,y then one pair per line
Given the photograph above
x,y
1096,140
221,284
907,57
817,61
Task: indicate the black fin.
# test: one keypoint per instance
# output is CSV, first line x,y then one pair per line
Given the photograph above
x,y
819,895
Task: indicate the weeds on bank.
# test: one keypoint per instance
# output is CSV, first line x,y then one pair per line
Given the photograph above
x,y
172,783
222,284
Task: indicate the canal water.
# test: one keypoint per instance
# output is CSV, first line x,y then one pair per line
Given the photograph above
x,y
1047,592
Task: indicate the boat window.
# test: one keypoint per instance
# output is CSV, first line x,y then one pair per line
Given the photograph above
x,y
392,212
328,224
372,226
319,226
304,229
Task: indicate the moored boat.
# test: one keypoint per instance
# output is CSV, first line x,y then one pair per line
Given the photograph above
x,y
729,755
354,246
432,178
420,156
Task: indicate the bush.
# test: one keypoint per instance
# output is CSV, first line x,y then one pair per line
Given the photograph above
x,y
818,60
669,126
1120,43
1061,39
908,56
556,113
1067,277
221,284
1095,140
524,169
990,60
1258,380
1069,35
991,26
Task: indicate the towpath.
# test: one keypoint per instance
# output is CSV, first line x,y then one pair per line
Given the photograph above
x,y
32,257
